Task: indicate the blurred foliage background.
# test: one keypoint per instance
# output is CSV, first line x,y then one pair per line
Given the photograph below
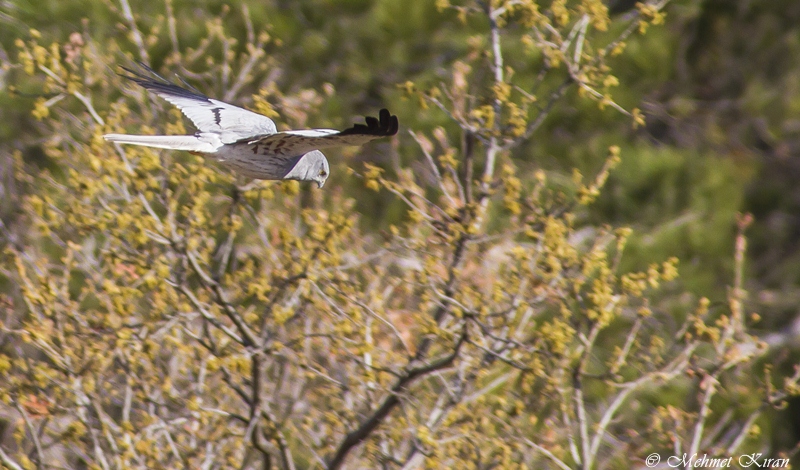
x,y
718,84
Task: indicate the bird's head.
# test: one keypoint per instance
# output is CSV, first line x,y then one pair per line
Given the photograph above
x,y
322,169
312,166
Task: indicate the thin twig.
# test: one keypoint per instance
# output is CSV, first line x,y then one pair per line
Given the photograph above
x,y
560,463
355,437
710,382
137,35
34,435
7,461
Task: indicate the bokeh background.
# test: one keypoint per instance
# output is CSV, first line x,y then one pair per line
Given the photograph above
x,y
718,83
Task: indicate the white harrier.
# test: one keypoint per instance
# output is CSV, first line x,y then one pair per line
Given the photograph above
x,y
248,142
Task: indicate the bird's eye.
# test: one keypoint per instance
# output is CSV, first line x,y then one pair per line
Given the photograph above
x,y
323,172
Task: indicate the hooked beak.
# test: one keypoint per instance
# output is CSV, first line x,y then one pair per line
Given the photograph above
x,y
320,183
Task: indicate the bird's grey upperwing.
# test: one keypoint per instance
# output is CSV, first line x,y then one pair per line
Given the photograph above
x,y
232,123
301,141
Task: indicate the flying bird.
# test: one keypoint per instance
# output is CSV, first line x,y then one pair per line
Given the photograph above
x,y
248,142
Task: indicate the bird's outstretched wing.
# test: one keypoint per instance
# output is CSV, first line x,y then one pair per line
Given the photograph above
x,y
232,123
302,141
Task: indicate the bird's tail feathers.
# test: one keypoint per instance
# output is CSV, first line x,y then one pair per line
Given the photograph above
x,y
173,142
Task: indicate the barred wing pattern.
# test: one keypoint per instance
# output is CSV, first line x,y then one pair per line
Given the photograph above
x,y
230,122
302,141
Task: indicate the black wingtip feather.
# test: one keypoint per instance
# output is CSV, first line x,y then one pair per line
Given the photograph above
x,y
158,84
384,126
